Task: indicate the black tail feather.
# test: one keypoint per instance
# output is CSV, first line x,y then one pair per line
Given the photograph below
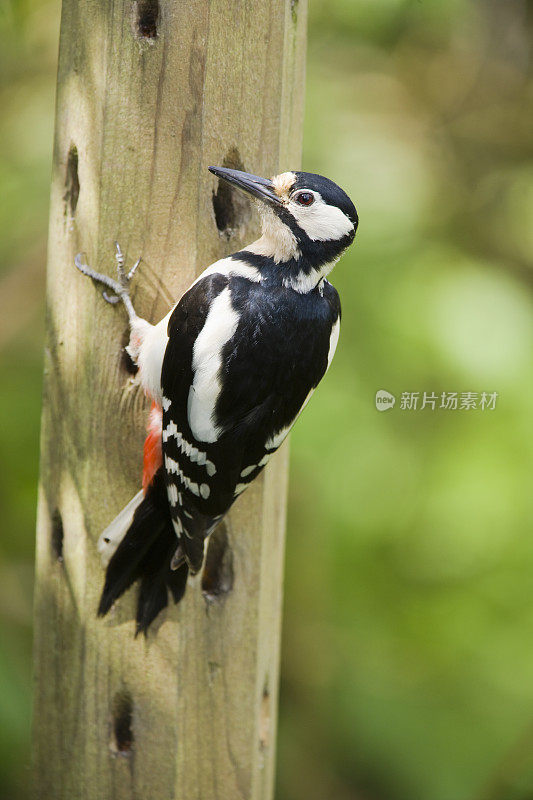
x,y
153,598
177,582
157,578
145,553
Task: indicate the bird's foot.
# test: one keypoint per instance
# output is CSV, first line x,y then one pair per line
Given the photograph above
x,y
120,288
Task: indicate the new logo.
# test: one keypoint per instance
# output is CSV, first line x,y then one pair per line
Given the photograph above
x,y
384,400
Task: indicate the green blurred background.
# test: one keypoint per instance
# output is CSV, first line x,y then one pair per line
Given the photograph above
x,y
407,668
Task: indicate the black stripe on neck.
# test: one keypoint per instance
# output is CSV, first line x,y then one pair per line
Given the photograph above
x,y
314,256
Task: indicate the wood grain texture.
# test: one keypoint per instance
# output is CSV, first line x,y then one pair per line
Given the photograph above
x,y
190,713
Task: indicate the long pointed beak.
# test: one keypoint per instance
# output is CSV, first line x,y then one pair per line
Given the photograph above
x,y
262,188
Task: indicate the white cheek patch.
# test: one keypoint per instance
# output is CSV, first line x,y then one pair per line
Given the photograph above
x,y
320,221
220,325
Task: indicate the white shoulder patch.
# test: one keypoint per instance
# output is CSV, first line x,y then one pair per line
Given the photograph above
x,y
229,268
220,325
153,339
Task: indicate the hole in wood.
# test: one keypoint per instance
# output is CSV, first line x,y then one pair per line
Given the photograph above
x,y
72,182
122,723
57,535
126,360
147,12
232,209
294,11
264,720
217,577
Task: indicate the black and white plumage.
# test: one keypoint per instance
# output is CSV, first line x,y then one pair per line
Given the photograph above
x,y
229,370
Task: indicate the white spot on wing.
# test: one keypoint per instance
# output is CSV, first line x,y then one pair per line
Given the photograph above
x,y
274,442
170,430
172,492
220,325
195,455
239,489
173,468
276,439
205,491
171,465
333,340
248,470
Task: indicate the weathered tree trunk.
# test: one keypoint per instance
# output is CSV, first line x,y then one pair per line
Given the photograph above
x,y
150,94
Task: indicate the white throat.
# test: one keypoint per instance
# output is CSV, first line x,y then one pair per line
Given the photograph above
x,y
277,241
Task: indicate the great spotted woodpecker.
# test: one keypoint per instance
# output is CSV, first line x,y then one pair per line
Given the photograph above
x,y
228,370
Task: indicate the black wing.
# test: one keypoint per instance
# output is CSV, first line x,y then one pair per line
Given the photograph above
x,y
275,357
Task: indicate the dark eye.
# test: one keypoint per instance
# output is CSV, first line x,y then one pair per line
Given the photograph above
x,y
305,198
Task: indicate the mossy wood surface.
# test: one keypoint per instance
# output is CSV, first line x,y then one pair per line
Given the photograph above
x,y
148,96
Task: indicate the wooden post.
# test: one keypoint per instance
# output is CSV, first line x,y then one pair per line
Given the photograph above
x,y
149,94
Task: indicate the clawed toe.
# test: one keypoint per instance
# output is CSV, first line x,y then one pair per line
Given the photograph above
x,y
133,270
123,276
119,288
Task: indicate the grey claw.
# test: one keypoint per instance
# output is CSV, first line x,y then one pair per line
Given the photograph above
x,y
98,276
133,270
78,262
120,264
119,288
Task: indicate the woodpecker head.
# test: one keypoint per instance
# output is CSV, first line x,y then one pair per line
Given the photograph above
x,y
307,219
